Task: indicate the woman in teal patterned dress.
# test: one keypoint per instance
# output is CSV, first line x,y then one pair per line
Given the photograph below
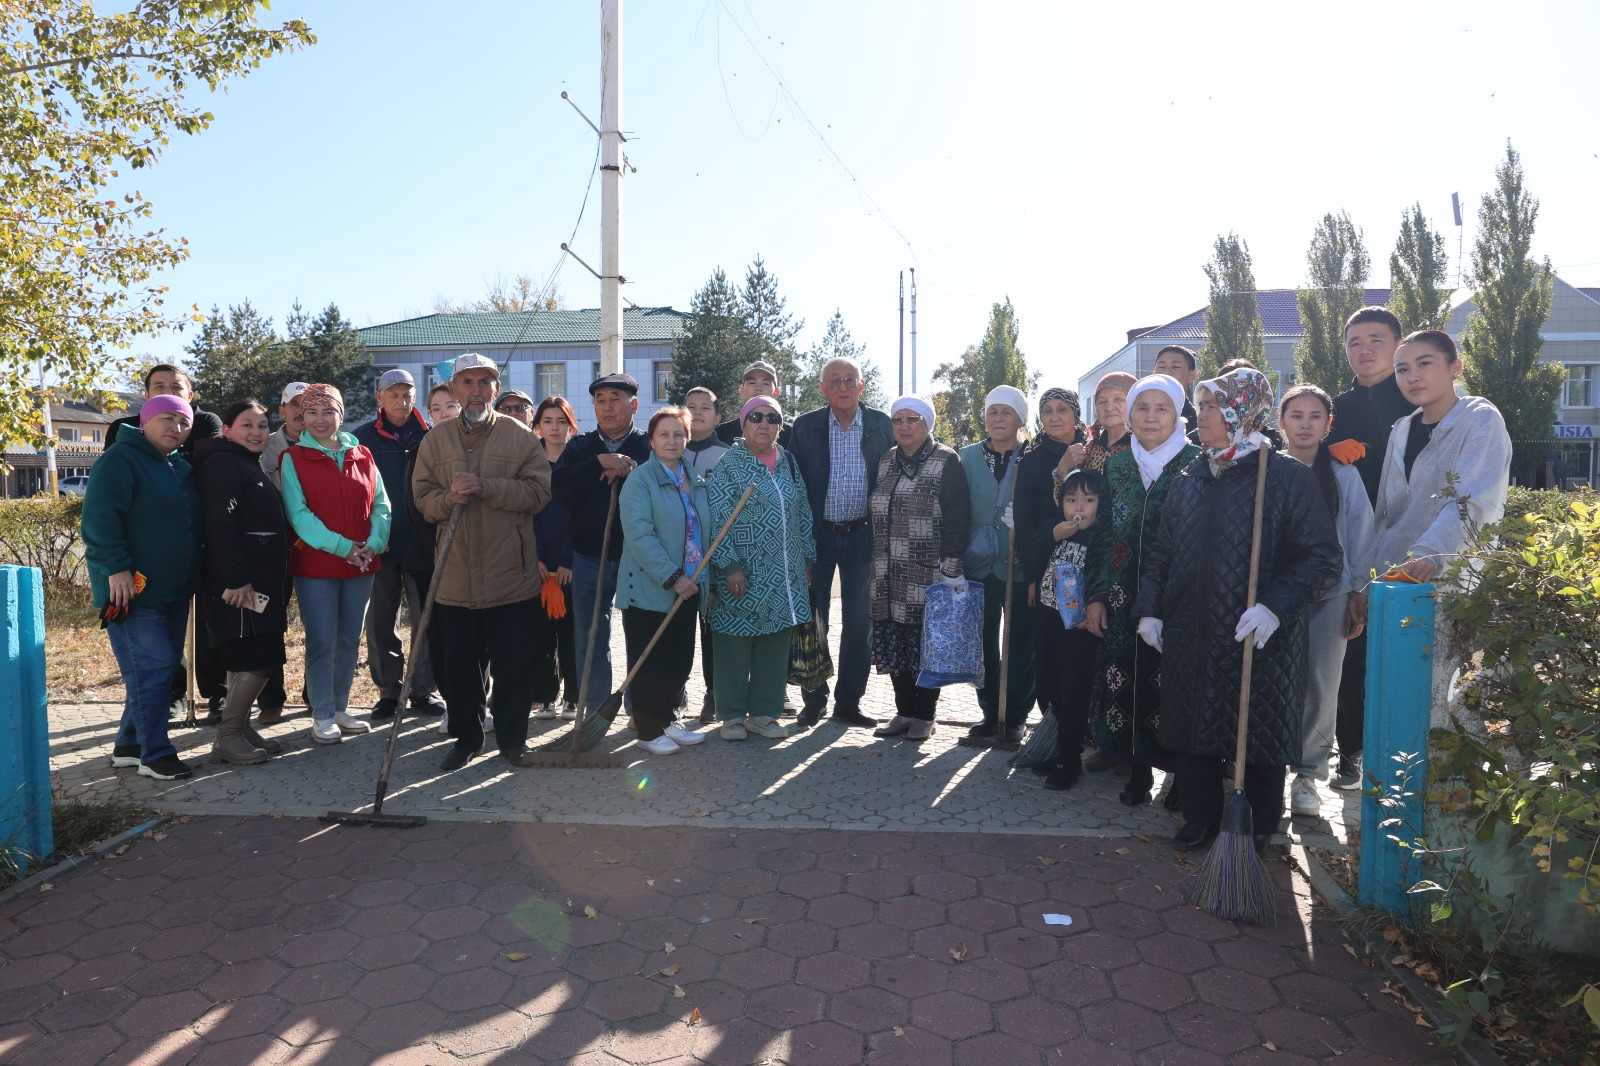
x,y
1126,701
762,573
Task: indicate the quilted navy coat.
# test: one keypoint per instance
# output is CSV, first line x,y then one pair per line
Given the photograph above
x,y
1196,580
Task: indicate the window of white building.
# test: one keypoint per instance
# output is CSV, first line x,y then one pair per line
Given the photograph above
x,y
1579,388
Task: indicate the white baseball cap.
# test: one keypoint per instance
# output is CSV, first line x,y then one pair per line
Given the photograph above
x,y
474,361
292,391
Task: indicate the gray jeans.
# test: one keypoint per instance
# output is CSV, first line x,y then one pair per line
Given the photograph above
x,y
1324,663
386,658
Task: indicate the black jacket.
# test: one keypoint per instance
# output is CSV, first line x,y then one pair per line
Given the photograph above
x,y
1034,507
421,534
1196,579
246,543
1367,413
808,443
392,450
731,430
576,484
206,426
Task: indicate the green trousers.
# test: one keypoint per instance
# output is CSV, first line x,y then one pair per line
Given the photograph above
x,y
750,674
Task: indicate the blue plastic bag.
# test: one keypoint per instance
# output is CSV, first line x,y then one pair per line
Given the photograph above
x,y
1068,585
952,636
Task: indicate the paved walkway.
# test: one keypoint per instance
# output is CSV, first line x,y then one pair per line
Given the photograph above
x,y
275,940
827,777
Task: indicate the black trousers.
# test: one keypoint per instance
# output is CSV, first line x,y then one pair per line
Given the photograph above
x,y
464,637
1352,720
656,686
210,679
1065,675
1203,790
273,696
911,700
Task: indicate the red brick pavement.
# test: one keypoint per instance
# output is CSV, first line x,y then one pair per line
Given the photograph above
x,y
283,941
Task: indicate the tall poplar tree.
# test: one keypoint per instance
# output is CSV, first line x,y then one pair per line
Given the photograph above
x,y
1418,268
999,362
716,344
1512,294
1233,322
1337,265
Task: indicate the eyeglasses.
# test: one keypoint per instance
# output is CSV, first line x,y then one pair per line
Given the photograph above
x,y
772,418
843,383
515,408
906,420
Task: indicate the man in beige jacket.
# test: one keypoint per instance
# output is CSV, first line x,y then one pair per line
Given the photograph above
x,y
492,470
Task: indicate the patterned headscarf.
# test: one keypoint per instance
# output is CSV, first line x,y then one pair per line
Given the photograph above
x,y
1066,396
322,394
1245,399
1120,380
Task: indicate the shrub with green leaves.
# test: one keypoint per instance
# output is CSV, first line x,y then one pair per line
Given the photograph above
x,y
44,533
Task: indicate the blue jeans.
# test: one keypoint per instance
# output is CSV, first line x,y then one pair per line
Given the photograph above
x,y
148,647
586,585
851,555
334,610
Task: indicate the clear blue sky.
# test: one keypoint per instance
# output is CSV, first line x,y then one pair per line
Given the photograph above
x,y
1078,159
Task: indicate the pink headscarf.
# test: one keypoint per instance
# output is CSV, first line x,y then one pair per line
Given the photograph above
x,y
157,405
758,401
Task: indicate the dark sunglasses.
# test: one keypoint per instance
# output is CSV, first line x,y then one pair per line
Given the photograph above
x,y
515,408
770,417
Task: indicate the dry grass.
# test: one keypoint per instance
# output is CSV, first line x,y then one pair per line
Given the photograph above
x,y
79,666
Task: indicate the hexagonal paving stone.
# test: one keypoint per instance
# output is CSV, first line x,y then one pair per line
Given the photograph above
x,y
952,1015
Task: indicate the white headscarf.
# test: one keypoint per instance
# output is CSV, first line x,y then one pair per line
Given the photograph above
x,y
1010,396
1152,462
916,404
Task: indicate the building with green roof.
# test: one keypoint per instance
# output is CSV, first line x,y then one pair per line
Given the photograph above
x,y
542,353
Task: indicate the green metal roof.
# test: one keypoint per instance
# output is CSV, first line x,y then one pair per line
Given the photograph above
x,y
490,328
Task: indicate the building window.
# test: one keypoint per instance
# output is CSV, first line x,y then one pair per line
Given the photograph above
x,y
99,436
1579,386
68,434
552,380
663,381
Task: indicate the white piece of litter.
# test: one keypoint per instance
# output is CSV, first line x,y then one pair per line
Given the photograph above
x,y
1058,919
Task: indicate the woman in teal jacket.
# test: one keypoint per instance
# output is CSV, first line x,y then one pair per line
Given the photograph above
x,y
763,573
665,535
141,536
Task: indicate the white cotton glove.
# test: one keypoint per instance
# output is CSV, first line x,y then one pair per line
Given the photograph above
x,y
1150,632
959,584
1258,620
1006,518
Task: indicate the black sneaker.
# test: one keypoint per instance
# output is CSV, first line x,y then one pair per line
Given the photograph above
x,y
1348,777
853,716
384,709
427,703
459,757
1195,835
984,730
1063,775
213,711
123,755
166,768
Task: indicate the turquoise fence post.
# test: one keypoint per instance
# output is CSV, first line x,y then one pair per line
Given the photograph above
x,y
25,830
1400,639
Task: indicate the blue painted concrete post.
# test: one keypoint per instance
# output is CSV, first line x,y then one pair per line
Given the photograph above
x,y
24,727
1400,638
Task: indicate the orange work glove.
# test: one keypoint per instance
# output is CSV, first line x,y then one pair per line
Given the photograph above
x,y
1347,451
555,604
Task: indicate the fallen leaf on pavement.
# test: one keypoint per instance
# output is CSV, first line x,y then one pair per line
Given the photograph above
x,y
1122,851
670,948
959,955
590,912
751,921
569,830
669,971
650,881
46,887
1048,861
518,956
1270,1046
678,993
694,1016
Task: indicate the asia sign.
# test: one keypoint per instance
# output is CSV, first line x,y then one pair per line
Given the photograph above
x,y
1586,432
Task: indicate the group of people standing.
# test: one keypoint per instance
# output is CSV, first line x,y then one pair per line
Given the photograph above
x,y
1115,556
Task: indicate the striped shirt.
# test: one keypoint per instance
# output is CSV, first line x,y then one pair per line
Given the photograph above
x,y
846,499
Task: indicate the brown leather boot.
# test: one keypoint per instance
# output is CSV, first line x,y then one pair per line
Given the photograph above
x,y
266,744
232,745
270,716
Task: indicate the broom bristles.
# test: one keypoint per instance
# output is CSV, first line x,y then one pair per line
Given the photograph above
x,y
1040,747
1233,883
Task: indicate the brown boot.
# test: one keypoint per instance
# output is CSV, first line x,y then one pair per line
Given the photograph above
x,y
270,716
232,745
266,744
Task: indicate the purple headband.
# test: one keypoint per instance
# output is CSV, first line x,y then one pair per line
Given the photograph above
x,y
159,405
758,401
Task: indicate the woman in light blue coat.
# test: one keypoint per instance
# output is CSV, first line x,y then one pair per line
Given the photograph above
x,y
665,535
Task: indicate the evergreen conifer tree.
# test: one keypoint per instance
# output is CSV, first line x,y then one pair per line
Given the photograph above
x,y
1337,265
1233,322
1418,269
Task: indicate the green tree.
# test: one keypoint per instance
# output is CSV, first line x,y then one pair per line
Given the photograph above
x,y
1512,294
766,317
1000,362
1233,322
836,343
83,94
238,355
520,293
1418,267
1337,266
952,405
716,345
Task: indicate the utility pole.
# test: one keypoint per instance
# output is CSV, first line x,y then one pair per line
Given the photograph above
x,y
610,186
902,332
913,329
51,482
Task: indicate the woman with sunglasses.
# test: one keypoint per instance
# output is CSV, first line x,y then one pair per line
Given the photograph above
x,y
762,573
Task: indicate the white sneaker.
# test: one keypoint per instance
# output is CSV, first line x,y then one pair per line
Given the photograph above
x,y
349,723
683,736
444,725
766,727
547,710
326,732
1303,798
733,731
662,745
569,710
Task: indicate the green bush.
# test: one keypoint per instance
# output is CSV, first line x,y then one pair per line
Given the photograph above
x,y
1546,503
44,533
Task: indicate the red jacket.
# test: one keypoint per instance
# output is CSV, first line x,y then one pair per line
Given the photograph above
x,y
342,499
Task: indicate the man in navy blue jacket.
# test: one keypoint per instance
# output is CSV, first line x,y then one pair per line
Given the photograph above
x,y
393,438
838,448
582,483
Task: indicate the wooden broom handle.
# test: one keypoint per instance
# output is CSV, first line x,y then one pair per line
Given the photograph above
x,y
1249,602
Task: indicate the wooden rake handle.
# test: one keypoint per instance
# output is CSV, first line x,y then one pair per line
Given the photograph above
x,y
1249,602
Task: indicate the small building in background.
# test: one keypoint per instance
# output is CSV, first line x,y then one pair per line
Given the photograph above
x,y
543,353
80,427
1571,337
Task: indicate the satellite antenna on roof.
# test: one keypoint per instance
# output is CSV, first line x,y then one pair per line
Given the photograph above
x,y
1455,205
